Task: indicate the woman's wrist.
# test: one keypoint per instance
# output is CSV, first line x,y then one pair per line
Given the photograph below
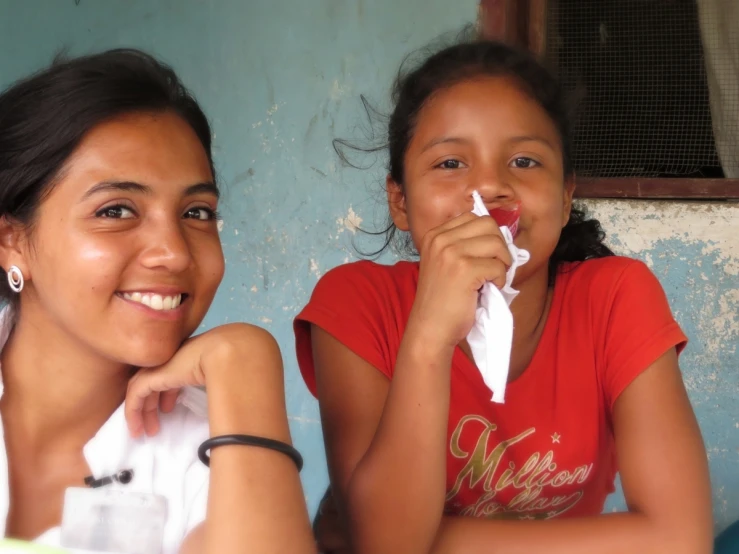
x,y
242,370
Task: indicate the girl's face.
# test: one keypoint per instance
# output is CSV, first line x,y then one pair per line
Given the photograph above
x,y
124,256
485,134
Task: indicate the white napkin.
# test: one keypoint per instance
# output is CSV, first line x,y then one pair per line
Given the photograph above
x,y
492,334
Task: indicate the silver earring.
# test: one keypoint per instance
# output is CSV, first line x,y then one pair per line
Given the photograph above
x,y
15,278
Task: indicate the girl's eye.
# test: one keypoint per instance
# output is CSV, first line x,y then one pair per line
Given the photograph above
x,y
525,163
203,214
115,212
450,164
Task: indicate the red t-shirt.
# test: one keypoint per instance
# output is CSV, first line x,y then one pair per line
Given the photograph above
x,y
549,450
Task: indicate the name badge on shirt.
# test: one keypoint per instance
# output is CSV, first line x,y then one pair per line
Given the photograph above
x,y
113,520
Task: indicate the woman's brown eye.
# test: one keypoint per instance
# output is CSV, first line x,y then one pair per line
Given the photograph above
x,y
203,214
115,212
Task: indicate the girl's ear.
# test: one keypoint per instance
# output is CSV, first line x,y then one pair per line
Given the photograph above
x,y
569,191
397,204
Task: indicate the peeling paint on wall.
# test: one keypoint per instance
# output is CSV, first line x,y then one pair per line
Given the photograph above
x,y
638,226
350,222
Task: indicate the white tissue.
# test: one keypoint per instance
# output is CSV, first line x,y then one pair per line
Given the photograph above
x,y
492,334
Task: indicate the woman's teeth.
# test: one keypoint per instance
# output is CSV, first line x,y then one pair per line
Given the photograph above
x,y
154,301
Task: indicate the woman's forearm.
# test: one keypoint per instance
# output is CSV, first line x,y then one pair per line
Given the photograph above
x,y
255,500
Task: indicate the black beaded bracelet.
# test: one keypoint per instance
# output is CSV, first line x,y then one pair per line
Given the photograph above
x,y
248,440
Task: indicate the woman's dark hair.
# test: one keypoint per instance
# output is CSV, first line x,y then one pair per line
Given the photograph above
x,y
44,117
581,238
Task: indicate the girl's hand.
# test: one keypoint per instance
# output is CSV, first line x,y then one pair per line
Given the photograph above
x,y
457,259
327,528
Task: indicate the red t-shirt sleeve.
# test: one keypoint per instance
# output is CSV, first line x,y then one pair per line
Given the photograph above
x,y
639,328
349,304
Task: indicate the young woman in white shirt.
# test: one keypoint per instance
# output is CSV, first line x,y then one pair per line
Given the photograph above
x,y
109,239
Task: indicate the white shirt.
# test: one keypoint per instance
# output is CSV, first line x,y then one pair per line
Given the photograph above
x,y
166,464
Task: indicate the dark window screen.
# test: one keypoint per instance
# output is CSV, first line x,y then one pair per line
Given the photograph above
x,y
635,70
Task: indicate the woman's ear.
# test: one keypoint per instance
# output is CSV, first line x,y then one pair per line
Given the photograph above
x,y
12,237
397,204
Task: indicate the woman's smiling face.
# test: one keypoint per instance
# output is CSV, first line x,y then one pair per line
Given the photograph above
x,y
124,253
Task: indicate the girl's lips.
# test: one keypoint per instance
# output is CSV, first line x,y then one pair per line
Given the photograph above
x,y
507,216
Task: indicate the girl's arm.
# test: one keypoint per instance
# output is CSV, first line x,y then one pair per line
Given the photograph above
x,y
386,446
388,452
664,473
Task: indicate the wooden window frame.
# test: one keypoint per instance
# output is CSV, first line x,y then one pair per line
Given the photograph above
x,y
524,23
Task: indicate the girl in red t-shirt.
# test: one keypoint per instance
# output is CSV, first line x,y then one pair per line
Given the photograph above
x,y
414,444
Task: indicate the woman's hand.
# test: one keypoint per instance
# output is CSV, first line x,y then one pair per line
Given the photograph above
x,y
157,388
457,259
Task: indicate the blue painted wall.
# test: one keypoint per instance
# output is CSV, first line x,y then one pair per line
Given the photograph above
x,y
281,78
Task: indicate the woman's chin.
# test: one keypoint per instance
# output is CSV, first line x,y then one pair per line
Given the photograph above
x,y
152,355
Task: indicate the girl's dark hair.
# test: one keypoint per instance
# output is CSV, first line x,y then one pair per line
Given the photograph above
x,y
581,238
44,117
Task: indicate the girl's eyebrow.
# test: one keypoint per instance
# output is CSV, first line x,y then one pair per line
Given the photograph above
x,y
442,140
532,138
512,140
